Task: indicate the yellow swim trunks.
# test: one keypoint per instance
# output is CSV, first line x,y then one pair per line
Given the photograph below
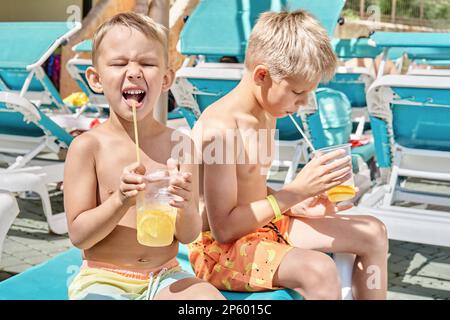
x,y
101,281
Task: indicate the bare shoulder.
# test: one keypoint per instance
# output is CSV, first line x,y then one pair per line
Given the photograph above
x,y
85,144
219,116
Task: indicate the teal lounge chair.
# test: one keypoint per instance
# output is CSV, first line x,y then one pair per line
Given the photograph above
x,y
26,46
417,45
329,124
26,131
50,281
409,117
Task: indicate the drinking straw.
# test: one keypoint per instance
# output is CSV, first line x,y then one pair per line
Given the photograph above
x,y
136,138
302,133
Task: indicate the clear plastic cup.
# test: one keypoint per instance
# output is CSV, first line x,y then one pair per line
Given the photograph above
x,y
346,190
155,218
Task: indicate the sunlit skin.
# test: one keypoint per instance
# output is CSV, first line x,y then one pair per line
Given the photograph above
x,y
236,205
102,177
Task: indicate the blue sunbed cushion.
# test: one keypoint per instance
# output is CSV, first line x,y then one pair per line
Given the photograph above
x,y
50,280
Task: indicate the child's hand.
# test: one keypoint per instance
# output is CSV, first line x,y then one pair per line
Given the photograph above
x,y
180,185
317,206
320,175
131,182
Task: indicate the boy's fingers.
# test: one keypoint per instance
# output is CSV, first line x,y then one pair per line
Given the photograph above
x,y
187,176
338,173
185,195
344,207
132,178
181,183
172,166
135,167
338,164
339,181
130,194
124,187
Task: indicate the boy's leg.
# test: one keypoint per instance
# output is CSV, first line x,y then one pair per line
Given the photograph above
x,y
189,289
364,236
313,274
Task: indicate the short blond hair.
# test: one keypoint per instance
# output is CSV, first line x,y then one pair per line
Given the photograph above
x,y
144,24
291,44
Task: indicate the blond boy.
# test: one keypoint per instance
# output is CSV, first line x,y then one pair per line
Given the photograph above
x,y
242,247
102,177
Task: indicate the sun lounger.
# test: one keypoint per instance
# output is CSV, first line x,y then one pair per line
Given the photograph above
x,y
409,123
50,281
8,212
32,113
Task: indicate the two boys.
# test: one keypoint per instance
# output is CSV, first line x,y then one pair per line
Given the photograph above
x,y
242,246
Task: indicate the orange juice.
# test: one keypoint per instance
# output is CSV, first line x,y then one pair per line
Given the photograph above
x,y
156,225
341,193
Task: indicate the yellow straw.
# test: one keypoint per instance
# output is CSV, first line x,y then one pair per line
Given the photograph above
x,y
136,138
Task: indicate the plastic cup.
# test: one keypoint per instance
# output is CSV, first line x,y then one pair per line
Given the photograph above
x,y
155,218
346,190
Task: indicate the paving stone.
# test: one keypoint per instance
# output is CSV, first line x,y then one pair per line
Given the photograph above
x,y
398,268
411,246
436,270
18,268
9,261
13,247
37,259
27,254
402,294
418,262
399,251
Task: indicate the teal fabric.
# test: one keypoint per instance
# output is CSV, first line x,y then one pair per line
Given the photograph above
x,y
422,127
355,48
332,124
23,43
366,152
12,123
84,46
50,280
381,142
230,23
412,39
351,85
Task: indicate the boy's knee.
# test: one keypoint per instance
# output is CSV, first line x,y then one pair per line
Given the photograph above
x,y
375,234
206,291
322,278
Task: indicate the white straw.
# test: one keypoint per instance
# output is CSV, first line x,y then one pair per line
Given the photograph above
x,y
302,133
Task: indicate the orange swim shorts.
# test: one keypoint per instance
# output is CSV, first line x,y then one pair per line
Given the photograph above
x,y
248,264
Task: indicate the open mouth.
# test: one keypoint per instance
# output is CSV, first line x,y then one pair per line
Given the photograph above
x,y
133,95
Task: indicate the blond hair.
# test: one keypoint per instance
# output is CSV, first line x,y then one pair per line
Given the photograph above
x,y
291,44
144,24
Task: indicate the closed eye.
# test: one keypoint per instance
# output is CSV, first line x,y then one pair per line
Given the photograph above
x,y
297,93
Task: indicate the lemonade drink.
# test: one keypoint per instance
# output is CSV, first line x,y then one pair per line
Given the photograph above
x,y
155,218
156,225
346,190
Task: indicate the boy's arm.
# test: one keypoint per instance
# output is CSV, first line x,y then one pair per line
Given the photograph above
x,y
88,223
230,220
189,222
